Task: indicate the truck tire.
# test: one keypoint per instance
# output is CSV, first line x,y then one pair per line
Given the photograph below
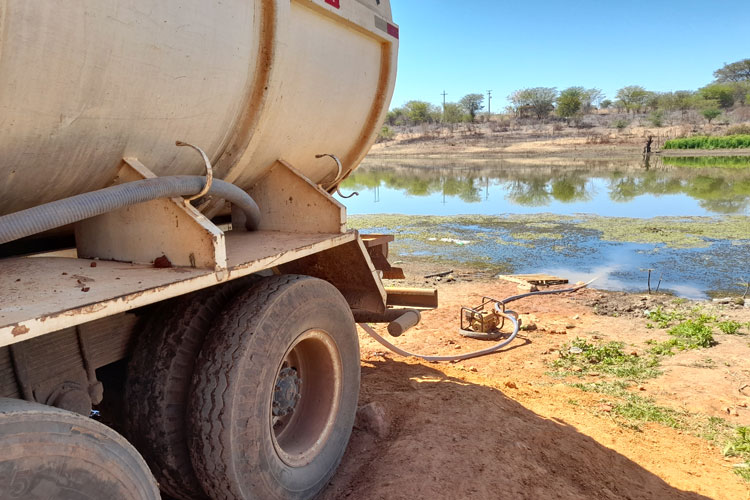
x,y
53,453
159,375
275,391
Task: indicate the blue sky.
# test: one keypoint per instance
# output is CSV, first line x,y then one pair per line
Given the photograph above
x,y
475,45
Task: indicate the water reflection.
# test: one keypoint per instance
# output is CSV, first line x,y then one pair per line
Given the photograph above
x,y
664,187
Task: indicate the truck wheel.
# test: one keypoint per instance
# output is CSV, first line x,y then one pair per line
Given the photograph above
x,y
158,382
275,391
53,453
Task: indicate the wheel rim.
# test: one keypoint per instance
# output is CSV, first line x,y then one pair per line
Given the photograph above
x,y
305,398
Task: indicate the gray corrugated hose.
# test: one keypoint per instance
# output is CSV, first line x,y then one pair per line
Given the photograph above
x,y
76,208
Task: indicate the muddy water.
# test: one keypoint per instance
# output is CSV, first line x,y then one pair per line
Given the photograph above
x,y
689,223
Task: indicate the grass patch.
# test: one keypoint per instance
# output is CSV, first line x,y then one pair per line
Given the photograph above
x,y
583,357
730,327
687,333
693,334
709,142
640,409
739,446
617,388
664,319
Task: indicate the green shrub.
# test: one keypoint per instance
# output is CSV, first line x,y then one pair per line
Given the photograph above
x,y
620,124
692,334
656,118
730,327
386,134
709,142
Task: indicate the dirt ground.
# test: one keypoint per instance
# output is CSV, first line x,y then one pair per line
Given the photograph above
x,y
503,426
538,141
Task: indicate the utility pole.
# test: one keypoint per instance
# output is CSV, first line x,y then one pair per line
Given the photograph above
x,y
444,94
489,104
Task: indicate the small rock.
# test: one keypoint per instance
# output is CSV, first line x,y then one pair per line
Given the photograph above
x,y
742,405
576,369
457,346
570,326
577,316
641,388
85,289
605,408
451,341
734,413
373,418
510,384
723,300
472,368
634,353
93,264
596,337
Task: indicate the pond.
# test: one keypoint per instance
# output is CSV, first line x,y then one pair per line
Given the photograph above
x,y
592,187
612,220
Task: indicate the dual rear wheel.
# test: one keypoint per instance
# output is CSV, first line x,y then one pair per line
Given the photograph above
x,y
250,393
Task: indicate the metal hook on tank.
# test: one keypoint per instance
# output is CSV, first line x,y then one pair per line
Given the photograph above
x,y
209,171
338,176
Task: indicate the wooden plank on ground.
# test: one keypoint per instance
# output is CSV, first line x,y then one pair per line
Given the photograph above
x,y
534,279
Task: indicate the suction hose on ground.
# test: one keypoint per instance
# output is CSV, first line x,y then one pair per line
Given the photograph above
x,y
76,208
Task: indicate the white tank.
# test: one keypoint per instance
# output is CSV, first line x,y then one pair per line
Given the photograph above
x,y
84,83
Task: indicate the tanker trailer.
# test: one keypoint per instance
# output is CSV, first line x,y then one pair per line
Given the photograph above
x,y
203,299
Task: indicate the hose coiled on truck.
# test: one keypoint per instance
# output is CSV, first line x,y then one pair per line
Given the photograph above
x,y
76,208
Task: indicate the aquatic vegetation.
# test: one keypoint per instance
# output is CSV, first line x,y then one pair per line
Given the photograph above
x,y
708,161
709,142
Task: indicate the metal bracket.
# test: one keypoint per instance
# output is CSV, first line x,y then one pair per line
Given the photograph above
x,y
291,202
145,232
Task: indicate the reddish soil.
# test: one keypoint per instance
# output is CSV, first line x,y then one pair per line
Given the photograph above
x,y
501,427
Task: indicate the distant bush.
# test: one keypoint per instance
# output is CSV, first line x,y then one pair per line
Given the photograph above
x,y
386,134
741,129
656,118
620,124
709,142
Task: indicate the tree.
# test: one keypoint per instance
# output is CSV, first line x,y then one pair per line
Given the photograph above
x,y
710,113
454,113
472,103
633,97
720,92
734,72
592,98
570,102
605,104
538,100
418,112
396,116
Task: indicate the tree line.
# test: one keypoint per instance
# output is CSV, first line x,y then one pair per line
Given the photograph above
x,y
730,88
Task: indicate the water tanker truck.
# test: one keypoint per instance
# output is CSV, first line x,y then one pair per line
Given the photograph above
x,y
171,255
